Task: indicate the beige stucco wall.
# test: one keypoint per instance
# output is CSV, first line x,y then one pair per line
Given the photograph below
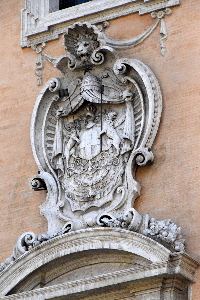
x,y
170,187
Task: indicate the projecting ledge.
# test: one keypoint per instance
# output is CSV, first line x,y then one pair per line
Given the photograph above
x,y
101,258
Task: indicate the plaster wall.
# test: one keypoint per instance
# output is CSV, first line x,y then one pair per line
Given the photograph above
x,y
170,187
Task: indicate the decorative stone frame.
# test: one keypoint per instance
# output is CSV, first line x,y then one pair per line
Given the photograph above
x,y
151,272
39,24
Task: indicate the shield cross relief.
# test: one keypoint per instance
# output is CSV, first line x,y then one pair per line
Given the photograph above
x,y
91,128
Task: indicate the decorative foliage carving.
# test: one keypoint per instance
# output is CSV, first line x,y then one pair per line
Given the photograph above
x,y
26,242
167,232
164,231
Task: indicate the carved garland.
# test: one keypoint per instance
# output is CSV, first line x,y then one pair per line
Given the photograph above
x,y
159,15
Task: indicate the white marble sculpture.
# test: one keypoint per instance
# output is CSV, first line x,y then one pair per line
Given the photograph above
x,y
90,131
91,128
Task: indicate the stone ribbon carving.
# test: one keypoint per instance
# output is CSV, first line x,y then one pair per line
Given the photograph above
x,y
90,130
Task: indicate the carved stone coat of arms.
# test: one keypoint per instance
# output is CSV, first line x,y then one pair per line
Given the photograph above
x,y
90,130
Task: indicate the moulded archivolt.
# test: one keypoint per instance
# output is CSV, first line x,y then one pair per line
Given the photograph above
x,y
38,25
152,261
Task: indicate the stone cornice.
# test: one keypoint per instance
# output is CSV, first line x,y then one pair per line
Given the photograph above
x,y
38,25
80,240
94,282
118,277
99,238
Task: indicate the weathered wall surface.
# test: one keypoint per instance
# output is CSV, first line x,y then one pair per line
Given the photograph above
x,y
170,187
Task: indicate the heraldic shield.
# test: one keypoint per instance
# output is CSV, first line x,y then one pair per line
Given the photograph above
x,y
90,130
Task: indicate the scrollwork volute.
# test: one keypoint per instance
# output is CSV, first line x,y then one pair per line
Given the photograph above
x,y
90,130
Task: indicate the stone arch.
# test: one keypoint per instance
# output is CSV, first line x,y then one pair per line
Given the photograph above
x,y
93,261
76,244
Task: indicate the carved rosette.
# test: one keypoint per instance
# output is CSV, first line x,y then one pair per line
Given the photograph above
x,y
90,130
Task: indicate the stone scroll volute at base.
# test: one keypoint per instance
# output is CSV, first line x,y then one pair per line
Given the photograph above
x,y
91,129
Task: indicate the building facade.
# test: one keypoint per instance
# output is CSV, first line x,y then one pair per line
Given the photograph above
x,y
163,35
